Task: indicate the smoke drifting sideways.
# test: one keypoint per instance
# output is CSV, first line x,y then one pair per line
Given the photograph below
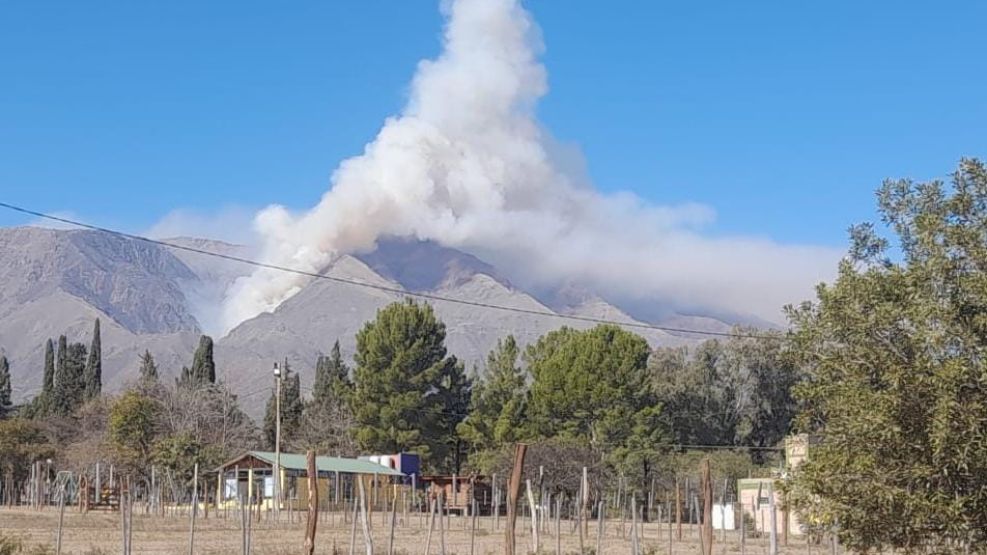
x,y
467,164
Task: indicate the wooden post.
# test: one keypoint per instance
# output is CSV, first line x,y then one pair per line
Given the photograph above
x,y
534,517
123,529
585,503
678,512
195,509
558,525
600,519
635,545
353,530
442,522
773,541
473,511
394,517
707,531
431,524
365,518
61,520
514,487
312,520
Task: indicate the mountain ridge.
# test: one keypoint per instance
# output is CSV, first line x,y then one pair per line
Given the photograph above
x,y
158,298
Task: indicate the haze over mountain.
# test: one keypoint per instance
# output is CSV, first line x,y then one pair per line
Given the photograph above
x,y
156,298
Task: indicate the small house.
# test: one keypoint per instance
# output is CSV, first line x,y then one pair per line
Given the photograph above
x,y
249,479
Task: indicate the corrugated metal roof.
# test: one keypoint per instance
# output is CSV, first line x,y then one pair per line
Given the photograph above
x,y
297,461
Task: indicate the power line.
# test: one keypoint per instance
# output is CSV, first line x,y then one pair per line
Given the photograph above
x,y
384,288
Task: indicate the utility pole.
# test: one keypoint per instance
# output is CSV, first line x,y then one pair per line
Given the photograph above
x,y
277,439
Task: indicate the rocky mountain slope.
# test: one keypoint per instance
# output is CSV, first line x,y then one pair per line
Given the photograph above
x,y
152,297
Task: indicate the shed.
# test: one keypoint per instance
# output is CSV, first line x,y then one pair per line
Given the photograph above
x,y
250,478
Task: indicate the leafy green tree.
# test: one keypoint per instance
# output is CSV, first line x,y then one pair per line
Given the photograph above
x,y
497,407
133,425
181,452
93,372
592,388
897,389
727,392
291,409
5,388
148,369
398,395
22,442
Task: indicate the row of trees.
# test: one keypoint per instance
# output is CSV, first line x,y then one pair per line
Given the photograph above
x,y
601,395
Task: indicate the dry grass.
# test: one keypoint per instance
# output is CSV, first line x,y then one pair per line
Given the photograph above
x,y
99,532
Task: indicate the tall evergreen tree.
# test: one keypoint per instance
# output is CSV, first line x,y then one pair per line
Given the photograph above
x,y
93,374
454,393
63,349
49,376
149,369
327,419
203,367
496,409
5,387
332,379
70,386
397,396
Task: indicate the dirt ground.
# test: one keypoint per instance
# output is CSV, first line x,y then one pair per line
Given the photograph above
x,y
100,533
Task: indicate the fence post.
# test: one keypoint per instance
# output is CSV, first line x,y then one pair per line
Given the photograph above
x,y
707,530
312,521
514,487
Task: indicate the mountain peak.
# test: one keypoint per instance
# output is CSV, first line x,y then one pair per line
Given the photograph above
x,y
425,265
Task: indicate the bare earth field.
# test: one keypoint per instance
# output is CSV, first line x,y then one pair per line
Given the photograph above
x,y
100,532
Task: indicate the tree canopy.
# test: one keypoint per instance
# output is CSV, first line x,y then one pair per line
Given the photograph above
x,y
897,395
404,384
592,387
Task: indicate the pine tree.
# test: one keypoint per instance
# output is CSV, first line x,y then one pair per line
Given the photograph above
x,y
397,396
5,387
454,393
149,369
496,410
203,367
93,374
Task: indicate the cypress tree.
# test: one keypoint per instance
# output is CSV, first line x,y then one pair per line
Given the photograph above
x,y
203,367
5,388
60,361
93,374
149,369
332,380
70,386
49,377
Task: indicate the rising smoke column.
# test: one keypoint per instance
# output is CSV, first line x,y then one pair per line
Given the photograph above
x,y
467,164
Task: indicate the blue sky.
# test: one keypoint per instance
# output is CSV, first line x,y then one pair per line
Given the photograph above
x,y
783,117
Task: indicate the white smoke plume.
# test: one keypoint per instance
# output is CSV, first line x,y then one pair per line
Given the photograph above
x,y
467,164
